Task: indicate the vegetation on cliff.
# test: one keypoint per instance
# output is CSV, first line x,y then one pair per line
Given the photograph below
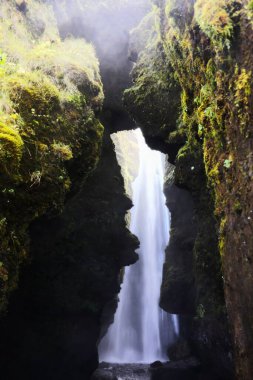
x,y
153,79
49,134
207,53
192,96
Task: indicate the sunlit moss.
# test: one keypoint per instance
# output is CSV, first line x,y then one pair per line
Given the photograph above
x,y
243,88
33,94
248,9
214,19
50,91
204,51
154,83
242,93
11,148
62,151
222,234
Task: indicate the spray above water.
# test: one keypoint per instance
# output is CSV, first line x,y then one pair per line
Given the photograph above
x,y
141,331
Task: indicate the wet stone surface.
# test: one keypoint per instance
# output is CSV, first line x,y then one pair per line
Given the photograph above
x,y
187,369
122,372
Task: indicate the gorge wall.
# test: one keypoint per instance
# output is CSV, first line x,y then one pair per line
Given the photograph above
x,y
50,135
63,229
192,95
62,213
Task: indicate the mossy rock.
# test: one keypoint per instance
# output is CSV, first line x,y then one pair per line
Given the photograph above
x,y
189,167
50,138
11,149
147,99
213,18
35,98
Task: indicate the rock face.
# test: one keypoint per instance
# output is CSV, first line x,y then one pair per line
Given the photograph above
x,y
200,54
178,287
127,152
53,322
64,202
49,134
107,25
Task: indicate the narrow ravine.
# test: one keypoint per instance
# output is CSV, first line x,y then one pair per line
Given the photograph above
x,y
73,75
141,331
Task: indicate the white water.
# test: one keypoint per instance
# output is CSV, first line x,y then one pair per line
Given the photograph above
x,y
141,331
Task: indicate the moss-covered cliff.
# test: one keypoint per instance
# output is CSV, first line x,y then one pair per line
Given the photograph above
x,y
63,232
192,96
49,135
200,103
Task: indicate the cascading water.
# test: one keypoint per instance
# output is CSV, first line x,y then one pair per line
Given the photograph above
x,y
141,330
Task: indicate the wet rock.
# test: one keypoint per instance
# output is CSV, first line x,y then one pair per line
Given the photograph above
x,y
179,350
74,274
122,372
156,364
177,370
103,374
178,289
139,371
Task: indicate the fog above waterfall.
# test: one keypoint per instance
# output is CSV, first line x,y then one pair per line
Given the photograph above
x,y
105,23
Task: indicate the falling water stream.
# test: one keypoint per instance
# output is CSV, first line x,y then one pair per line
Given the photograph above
x,y
141,331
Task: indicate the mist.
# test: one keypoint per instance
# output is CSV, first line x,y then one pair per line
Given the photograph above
x,y
107,25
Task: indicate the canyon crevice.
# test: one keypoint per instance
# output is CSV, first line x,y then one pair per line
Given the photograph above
x,y
182,72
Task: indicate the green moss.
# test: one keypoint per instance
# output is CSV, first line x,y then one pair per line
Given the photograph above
x,y
237,207
154,83
177,137
249,11
189,166
34,97
242,93
243,88
200,311
69,69
222,235
215,20
208,47
62,151
50,139
250,5
194,41
11,149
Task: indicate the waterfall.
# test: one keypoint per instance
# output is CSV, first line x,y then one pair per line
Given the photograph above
x,y
141,331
